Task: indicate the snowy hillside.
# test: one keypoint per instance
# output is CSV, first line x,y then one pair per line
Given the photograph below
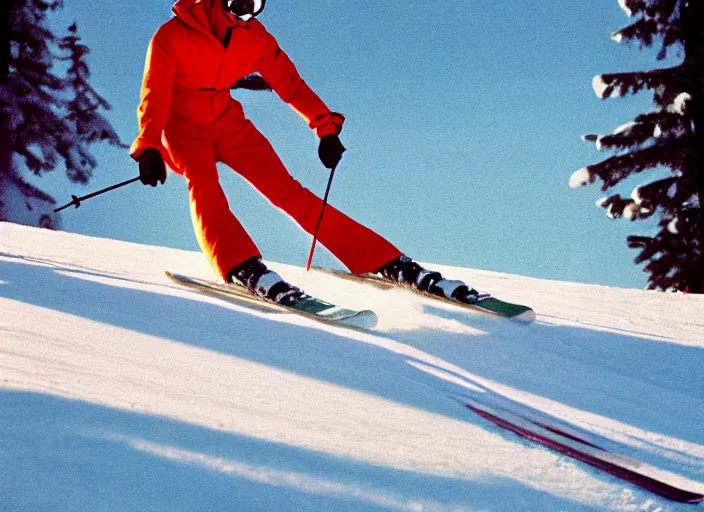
x,y
122,391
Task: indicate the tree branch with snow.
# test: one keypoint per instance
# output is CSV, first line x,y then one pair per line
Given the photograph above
x,y
664,138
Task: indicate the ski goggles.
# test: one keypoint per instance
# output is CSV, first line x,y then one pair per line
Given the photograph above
x,y
244,9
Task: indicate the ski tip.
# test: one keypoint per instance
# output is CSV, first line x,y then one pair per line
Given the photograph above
x,y
526,317
515,312
363,320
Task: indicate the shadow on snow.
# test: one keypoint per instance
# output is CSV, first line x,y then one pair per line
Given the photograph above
x,y
549,361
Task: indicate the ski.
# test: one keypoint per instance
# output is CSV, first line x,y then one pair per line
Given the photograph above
x,y
569,442
309,307
489,305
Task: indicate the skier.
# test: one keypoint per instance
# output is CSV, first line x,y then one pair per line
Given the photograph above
x,y
188,120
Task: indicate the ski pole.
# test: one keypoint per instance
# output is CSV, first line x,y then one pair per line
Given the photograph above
x,y
320,219
77,200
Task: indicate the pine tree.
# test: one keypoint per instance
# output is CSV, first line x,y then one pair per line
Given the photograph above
x,y
670,138
84,124
5,10
47,121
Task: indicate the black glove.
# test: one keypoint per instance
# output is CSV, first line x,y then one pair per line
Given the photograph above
x,y
152,169
330,150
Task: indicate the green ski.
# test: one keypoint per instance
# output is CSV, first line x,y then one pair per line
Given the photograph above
x,y
310,307
488,305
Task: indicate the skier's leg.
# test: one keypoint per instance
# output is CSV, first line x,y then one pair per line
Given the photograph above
x,y
220,235
357,247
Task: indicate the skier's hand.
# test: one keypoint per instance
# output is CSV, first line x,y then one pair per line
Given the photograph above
x,y
330,150
152,169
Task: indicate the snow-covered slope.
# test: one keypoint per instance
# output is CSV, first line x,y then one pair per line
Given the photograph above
x,y
121,391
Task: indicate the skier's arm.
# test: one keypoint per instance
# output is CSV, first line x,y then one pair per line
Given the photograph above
x,y
278,70
156,94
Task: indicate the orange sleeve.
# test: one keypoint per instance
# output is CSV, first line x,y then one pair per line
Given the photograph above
x,y
156,94
278,70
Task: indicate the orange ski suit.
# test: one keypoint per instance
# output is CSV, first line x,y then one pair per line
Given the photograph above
x,y
187,113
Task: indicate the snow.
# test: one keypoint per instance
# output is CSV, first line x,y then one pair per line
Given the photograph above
x,y
632,210
625,128
581,178
672,226
625,7
124,391
612,212
680,105
604,90
637,195
600,86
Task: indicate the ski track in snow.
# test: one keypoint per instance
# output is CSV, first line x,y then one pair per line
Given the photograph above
x,y
122,390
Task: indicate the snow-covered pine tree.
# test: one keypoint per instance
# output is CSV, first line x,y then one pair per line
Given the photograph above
x,y
85,125
670,137
42,127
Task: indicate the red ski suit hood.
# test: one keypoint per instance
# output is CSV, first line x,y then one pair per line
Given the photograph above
x,y
189,71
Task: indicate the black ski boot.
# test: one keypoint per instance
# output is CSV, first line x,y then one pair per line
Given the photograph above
x,y
403,270
257,278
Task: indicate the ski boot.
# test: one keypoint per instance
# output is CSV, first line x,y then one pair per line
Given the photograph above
x,y
267,284
403,270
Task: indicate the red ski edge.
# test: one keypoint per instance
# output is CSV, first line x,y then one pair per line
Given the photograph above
x,y
588,453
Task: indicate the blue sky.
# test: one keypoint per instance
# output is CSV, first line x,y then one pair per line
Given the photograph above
x,y
463,127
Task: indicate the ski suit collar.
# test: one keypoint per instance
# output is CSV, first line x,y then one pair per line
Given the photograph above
x,y
205,16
